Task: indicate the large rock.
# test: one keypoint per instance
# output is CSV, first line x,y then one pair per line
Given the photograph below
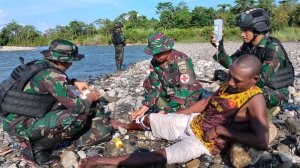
x,y
242,156
272,132
69,159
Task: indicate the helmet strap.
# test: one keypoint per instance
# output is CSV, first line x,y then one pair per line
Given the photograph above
x,y
255,34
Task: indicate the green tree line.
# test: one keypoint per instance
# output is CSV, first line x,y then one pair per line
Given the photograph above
x,y
177,21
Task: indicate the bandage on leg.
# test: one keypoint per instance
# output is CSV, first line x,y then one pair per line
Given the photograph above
x,y
141,121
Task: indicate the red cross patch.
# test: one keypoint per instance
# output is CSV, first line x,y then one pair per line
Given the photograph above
x,y
184,78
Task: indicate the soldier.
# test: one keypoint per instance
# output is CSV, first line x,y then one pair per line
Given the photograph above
x,y
172,83
277,72
51,112
118,39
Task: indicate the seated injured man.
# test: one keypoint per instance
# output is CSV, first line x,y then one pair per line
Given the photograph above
x,y
236,112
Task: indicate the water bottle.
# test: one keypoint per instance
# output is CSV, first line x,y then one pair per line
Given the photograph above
x,y
118,142
218,30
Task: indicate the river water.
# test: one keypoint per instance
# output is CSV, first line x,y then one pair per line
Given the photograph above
x,y
98,61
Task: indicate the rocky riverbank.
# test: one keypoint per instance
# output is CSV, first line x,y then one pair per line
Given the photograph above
x,y
124,93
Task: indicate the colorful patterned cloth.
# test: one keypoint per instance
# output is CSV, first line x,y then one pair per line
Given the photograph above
x,y
221,110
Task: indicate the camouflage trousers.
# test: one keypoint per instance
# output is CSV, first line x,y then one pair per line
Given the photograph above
x,y
119,55
90,128
275,97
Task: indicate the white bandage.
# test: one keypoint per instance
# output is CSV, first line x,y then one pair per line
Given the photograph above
x,y
141,121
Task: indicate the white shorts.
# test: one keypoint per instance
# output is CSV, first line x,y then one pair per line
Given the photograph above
x,y
177,127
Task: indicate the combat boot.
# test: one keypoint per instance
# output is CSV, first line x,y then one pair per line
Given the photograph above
x,y
42,150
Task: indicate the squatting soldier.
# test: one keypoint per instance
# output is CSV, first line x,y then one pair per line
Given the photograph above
x,y
277,72
118,39
172,83
44,111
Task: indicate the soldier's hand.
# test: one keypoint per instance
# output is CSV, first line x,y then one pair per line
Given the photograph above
x,y
220,75
139,113
212,39
93,96
81,86
214,42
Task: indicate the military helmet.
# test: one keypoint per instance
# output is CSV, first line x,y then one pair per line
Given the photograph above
x,y
158,43
118,25
63,51
257,19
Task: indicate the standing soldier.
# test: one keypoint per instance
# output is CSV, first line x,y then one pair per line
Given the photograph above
x,y
118,39
172,83
40,110
277,72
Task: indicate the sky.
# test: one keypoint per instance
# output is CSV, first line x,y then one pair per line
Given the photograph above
x,y
45,14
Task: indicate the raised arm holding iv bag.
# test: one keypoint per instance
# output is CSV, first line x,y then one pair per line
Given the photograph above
x,y
218,31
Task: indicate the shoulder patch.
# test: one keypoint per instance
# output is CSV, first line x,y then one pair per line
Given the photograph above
x,y
182,66
186,72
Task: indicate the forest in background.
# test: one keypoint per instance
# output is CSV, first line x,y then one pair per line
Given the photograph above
x,y
177,21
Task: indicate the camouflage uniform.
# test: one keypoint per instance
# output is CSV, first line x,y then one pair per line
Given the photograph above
x,y
272,58
171,86
68,116
118,39
65,121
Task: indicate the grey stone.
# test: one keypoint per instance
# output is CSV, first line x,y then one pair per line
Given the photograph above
x,y
293,125
81,154
297,100
69,159
283,148
92,152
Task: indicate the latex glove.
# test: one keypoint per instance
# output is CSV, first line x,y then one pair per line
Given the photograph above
x,y
81,86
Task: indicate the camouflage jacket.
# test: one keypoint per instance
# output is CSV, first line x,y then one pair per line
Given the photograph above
x,y
54,82
270,54
118,37
174,81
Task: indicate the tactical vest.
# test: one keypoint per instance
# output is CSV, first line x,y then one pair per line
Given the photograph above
x,y
14,100
118,38
283,77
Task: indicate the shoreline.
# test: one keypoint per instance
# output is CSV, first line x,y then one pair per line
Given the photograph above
x,y
16,48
